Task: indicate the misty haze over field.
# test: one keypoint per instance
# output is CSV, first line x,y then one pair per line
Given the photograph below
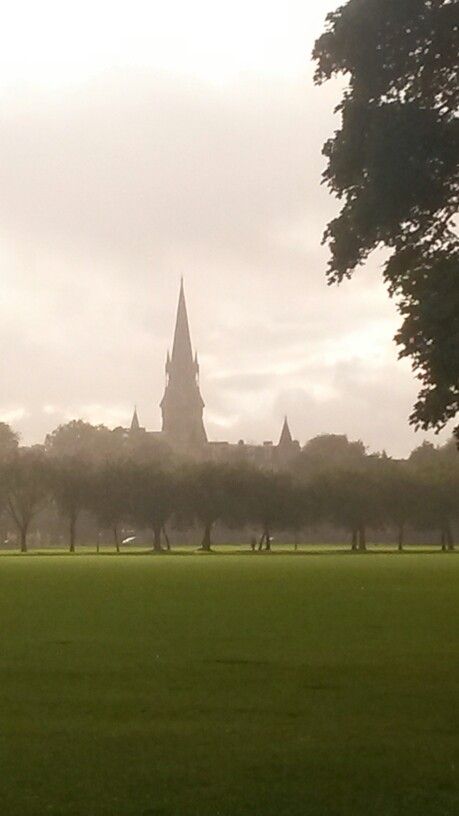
x,y
177,143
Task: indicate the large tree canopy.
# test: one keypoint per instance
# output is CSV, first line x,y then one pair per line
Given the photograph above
x,y
394,164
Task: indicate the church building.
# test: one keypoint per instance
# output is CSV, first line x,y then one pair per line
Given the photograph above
x,y
182,409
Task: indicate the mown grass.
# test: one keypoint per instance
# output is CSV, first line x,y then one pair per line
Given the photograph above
x,y
229,686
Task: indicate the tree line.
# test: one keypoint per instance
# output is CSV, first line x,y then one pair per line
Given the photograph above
x,y
127,482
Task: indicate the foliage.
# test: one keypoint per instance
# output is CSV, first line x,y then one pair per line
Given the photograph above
x,y
332,481
213,491
328,451
81,439
275,502
9,441
394,163
151,493
109,495
438,472
27,487
71,488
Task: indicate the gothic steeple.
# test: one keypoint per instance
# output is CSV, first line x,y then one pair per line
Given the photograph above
x,y
135,424
286,436
182,404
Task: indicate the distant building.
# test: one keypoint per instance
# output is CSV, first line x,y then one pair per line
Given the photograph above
x,y
182,408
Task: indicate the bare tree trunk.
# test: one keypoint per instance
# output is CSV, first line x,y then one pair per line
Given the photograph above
x,y
401,537
72,533
206,543
268,540
166,538
362,538
354,546
443,539
23,532
116,538
157,539
261,542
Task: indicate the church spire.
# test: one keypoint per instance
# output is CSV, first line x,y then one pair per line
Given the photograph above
x,y
182,404
182,355
135,424
286,436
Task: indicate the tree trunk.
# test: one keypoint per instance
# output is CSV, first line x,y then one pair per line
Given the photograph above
x,y
166,538
354,540
24,539
449,538
72,533
443,539
268,540
261,542
362,539
157,539
401,537
115,538
206,543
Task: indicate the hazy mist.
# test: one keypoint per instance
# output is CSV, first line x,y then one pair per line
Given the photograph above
x,y
118,180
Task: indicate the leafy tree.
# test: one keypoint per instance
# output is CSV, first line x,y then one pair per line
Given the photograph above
x,y
275,503
349,498
400,494
327,452
152,497
211,492
438,473
9,441
27,488
71,486
394,164
109,498
8,449
79,438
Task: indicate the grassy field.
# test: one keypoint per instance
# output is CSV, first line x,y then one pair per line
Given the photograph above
x,y
317,685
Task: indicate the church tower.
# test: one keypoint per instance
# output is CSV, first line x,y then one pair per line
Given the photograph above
x,y
182,404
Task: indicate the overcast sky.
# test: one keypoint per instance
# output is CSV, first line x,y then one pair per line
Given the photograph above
x,y
143,141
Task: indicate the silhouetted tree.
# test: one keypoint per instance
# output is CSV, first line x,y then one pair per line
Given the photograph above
x,y
81,439
27,488
350,499
8,449
275,503
438,472
328,452
71,488
211,492
400,494
110,498
152,497
9,441
394,164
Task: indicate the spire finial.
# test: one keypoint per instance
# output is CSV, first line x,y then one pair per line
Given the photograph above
x,y
182,355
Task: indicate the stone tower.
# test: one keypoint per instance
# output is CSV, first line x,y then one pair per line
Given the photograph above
x,y
182,404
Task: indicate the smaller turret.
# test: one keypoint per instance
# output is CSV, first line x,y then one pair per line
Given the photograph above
x,y
285,437
135,424
287,447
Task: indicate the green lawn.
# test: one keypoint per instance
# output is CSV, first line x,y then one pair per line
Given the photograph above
x,y
316,685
